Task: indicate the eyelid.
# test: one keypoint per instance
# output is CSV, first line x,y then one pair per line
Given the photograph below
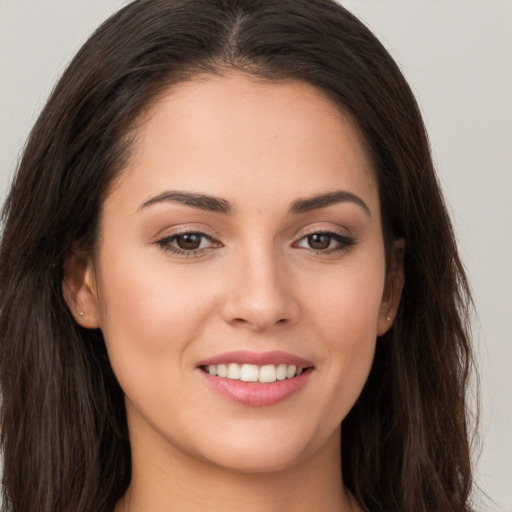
x,y
346,241
164,242
316,229
184,228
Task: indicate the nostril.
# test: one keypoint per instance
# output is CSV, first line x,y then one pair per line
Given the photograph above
x,y
257,308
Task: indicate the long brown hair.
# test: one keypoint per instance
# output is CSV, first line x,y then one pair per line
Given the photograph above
x,y
63,424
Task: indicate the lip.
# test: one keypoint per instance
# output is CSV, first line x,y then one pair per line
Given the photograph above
x,y
258,358
256,394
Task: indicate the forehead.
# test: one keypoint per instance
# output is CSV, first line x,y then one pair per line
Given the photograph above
x,y
222,134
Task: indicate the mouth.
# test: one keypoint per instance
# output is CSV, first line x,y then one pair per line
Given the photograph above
x,y
256,379
253,373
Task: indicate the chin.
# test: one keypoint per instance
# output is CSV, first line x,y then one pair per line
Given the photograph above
x,y
258,460
268,450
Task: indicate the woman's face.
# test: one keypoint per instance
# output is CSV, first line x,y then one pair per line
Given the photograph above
x,y
239,277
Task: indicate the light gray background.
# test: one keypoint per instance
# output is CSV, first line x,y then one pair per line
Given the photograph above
x,y
457,56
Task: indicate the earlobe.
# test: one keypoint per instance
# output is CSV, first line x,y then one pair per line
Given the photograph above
x,y
79,289
393,288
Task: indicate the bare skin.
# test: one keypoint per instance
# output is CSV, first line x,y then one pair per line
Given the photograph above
x,y
248,218
197,486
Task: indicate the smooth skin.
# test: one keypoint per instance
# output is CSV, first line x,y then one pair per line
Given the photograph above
x,y
246,268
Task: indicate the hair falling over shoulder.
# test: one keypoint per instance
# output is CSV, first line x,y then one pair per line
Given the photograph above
x,y
64,439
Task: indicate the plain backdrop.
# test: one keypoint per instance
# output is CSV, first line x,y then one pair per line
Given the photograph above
x,y
457,56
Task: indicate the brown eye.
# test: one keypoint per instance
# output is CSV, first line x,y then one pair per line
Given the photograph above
x,y
190,244
319,241
326,242
189,241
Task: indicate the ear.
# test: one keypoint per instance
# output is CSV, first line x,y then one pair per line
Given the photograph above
x,y
79,289
392,289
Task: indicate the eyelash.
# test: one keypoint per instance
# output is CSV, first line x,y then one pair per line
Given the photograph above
x,y
344,243
165,244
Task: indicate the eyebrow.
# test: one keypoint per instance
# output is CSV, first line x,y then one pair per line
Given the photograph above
x,y
200,201
323,200
219,205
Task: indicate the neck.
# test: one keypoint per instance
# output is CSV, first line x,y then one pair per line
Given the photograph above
x,y
167,480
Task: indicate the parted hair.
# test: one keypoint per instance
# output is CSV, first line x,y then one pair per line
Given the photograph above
x,y
64,438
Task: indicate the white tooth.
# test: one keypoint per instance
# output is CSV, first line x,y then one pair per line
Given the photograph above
x,y
233,371
222,370
299,371
290,371
249,373
212,369
281,372
267,373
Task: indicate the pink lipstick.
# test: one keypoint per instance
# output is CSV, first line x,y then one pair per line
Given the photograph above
x,y
256,379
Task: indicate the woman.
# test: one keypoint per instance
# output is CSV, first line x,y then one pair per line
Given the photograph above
x,y
228,278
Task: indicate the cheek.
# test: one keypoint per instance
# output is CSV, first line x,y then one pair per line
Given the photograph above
x,y
347,300
346,316
351,336
148,317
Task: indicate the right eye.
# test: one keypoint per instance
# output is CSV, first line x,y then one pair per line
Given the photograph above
x,y
188,244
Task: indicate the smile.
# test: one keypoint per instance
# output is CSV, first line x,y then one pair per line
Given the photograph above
x,y
256,379
253,373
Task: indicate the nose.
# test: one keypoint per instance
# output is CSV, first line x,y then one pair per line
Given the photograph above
x,y
261,293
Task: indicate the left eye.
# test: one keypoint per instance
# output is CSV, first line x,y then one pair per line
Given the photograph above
x,y
324,241
190,241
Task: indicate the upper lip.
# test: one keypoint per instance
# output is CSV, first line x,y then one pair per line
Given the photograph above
x,y
257,358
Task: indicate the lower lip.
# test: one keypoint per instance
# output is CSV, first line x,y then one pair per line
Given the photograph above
x,y
257,394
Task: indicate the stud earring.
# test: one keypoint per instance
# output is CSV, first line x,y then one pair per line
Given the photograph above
x,y
388,318
81,313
